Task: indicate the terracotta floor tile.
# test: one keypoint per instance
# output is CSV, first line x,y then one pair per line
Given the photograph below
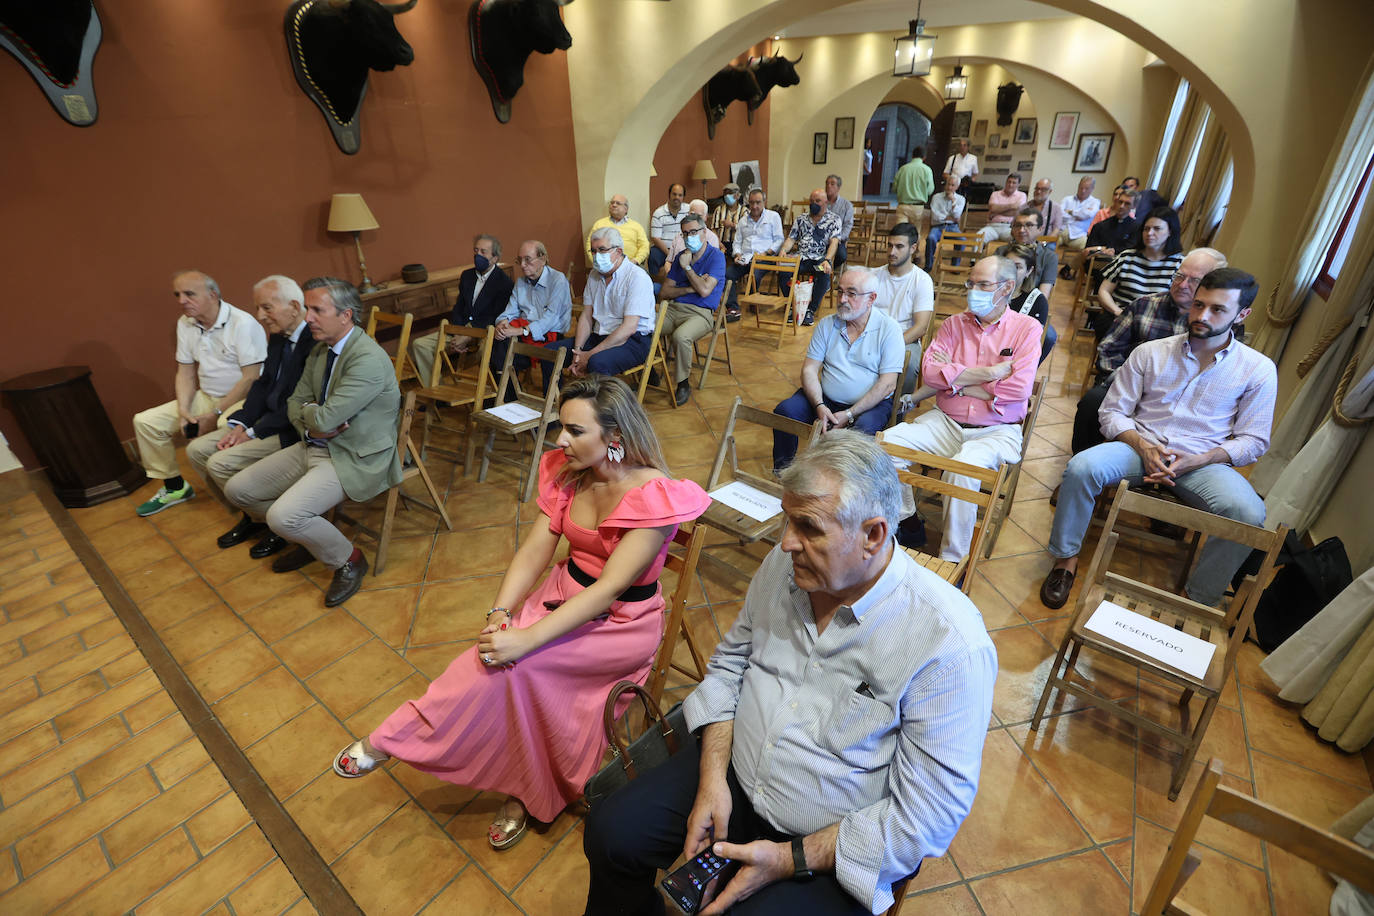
x,y
260,706
18,695
178,603
205,632
179,762
509,866
20,750
1120,856
50,705
952,901
400,865
1248,671
934,873
1275,727
442,800
1108,676
326,639
129,753
14,629
1010,791
271,890
431,661
142,826
1220,884
371,715
1023,664
61,880
149,711
302,908
96,813
1018,580
1085,883
95,636
72,623
126,666
250,589
471,504
298,751
230,666
220,567
471,892
110,702
408,558
560,879
142,584
997,611
336,813
1014,541
453,610
474,552
359,677
217,823
1224,739
138,554
1088,757
287,612
22,817
226,867
127,886
1154,769
387,612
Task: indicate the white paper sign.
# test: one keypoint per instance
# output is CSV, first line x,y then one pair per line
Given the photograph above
x,y
754,503
514,412
1150,637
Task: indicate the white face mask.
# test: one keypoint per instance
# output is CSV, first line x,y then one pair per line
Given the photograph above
x,y
601,260
729,200
981,302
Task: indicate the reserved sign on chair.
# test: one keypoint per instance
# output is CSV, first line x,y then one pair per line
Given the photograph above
x,y
1150,637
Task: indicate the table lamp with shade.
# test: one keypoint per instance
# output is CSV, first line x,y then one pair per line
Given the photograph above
x,y
703,171
349,213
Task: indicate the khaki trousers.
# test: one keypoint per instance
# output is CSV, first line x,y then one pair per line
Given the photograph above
x,y
911,213
155,427
686,324
217,465
422,353
292,490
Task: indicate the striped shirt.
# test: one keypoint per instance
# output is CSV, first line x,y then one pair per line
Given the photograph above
x,y
1166,395
1137,276
665,226
897,765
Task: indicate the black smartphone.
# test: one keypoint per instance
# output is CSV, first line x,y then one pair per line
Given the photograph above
x,y
695,883
1006,352
191,430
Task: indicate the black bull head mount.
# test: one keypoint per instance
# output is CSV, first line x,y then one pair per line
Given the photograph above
x,y
332,45
749,84
56,41
503,34
1008,99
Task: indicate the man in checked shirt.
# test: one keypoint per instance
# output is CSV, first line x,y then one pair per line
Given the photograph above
x,y
841,719
1183,412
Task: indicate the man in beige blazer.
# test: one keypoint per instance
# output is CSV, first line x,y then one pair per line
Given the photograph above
x,y
345,407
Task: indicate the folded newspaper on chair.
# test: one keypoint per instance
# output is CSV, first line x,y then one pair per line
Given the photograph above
x,y
1151,638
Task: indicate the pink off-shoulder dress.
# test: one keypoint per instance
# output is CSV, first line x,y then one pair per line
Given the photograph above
x,y
534,731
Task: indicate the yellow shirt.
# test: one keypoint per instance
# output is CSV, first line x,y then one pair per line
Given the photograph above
x,y
631,232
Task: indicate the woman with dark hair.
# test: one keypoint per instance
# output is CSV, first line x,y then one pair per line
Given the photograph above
x,y
1144,268
520,712
1029,300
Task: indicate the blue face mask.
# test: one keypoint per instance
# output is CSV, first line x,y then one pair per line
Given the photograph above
x,y
601,260
981,302
815,209
481,263
693,243
729,200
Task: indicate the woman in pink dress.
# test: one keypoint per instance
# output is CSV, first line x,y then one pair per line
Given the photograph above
x,y
520,712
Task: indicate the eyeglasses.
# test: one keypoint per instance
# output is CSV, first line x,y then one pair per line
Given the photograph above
x,y
691,231
986,286
604,250
530,260
852,294
1180,277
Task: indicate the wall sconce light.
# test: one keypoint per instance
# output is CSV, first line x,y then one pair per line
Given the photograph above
x,y
349,213
914,50
956,85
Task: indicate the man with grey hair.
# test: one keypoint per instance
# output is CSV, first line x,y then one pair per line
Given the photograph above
x,y
697,207
696,278
841,719
261,427
618,315
540,307
851,367
219,354
842,208
483,292
345,407
982,364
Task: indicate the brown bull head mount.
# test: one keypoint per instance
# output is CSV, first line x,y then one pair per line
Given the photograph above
x,y
503,34
749,84
1008,100
56,41
332,45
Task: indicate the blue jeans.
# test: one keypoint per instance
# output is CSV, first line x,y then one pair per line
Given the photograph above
x,y
633,352
798,407
657,258
1215,488
937,232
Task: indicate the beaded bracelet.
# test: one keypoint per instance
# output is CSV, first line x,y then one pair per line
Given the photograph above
x,y
503,610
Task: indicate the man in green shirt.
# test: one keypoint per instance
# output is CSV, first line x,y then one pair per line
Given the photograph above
x,y
914,183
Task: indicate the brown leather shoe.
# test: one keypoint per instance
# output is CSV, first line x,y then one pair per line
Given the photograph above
x,y
1054,591
348,578
1054,496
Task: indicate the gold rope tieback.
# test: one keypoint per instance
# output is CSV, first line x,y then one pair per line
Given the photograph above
x,y
1321,346
1275,320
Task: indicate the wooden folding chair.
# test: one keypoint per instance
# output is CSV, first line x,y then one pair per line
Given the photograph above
x,y
954,258
656,359
1224,629
783,270
1050,240
449,385
744,528
412,466
376,321
862,245
1001,506
1321,847
897,394
675,612
720,330
990,483
546,411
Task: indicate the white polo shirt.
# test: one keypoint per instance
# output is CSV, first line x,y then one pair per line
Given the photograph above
x,y
220,352
903,297
627,295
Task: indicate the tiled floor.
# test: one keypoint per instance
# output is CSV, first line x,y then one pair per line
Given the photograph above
x,y
100,777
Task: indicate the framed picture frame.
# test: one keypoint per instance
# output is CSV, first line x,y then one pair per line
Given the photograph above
x,y
980,127
1065,126
818,147
1025,165
963,122
1026,130
1093,152
995,141
844,133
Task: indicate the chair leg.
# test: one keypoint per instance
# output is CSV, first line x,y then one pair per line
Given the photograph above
x,y
433,494
1050,683
384,542
710,355
532,472
486,456
1190,750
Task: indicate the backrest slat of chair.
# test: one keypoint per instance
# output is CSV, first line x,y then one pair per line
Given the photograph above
x,y
1197,520
985,476
726,436
775,421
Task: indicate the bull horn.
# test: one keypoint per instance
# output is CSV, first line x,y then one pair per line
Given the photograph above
x,y
396,8
795,62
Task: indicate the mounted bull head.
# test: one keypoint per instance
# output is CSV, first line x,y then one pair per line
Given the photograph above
x,y
56,41
730,84
773,71
503,34
332,45
1008,98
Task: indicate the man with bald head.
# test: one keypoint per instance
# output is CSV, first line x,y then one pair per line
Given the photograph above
x,y
220,350
631,232
815,237
1051,214
539,310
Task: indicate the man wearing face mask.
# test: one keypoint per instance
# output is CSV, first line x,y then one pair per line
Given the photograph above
x,y
760,232
697,207
815,238
726,216
483,292
981,398
695,281
617,320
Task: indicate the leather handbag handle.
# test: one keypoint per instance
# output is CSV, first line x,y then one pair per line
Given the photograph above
x,y
651,712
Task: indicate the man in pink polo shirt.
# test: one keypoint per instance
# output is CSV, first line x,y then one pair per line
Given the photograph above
x,y
982,362
1003,206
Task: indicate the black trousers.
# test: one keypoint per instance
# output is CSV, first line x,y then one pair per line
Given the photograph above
x,y
641,829
1087,429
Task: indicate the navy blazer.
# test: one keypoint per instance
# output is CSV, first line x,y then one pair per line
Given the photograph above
x,y
264,409
489,305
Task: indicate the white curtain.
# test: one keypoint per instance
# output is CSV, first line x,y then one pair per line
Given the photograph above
x,y
1338,183
1191,123
1211,187
1166,136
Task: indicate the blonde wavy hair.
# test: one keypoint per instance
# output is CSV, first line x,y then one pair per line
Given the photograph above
x,y
617,412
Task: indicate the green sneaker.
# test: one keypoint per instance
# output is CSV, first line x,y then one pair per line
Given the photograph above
x,y
165,499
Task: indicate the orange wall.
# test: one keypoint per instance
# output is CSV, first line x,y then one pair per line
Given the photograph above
x,y
207,154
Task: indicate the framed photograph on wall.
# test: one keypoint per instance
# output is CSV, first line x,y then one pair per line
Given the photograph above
x,y
1093,152
844,133
980,127
818,144
995,141
1025,130
1065,126
747,175
963,122
1025,165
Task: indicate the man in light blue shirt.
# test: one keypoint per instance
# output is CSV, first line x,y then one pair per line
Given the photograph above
x,y
759,232
540,306
851,367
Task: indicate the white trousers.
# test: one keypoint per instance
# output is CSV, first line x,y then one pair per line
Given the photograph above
x,y
155,428
217,465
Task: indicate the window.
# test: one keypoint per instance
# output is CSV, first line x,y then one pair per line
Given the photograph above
x,y
1170,127
1185,180
1340,245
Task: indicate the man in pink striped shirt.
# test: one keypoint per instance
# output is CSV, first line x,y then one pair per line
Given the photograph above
x,y
982,363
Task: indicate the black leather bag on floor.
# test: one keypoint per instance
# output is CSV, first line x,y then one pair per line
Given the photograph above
x,y
1307,581
664,736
